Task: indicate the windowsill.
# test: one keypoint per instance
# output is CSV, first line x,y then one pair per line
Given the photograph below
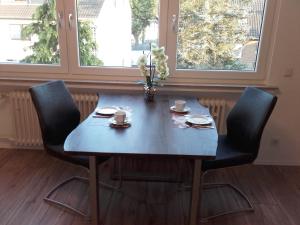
x,y
7,84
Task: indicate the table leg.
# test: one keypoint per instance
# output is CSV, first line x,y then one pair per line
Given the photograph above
x,y
196,192
94,193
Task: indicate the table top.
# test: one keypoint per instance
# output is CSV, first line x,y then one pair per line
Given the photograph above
x,y
152,131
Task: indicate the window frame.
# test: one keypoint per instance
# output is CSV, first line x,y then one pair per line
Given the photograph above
x,y
106,72
46,68
262,56
70,59
12,35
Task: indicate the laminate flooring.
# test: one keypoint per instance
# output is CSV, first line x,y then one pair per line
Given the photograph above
x,y
27,175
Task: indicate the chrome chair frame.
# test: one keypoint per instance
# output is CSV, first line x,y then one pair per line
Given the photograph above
x,y
237,190
48,198
250,207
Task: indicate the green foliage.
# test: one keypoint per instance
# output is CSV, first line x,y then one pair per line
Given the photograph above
x,y
209,31
46,49
87,46
143,11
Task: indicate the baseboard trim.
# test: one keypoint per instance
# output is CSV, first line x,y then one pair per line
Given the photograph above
x,y
277,163
8,143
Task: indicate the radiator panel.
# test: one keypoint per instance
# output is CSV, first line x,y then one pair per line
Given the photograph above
x,y
27,129
218,109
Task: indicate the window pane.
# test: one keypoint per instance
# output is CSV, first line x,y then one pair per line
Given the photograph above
x,y
219,34
15,31
115,32
29,32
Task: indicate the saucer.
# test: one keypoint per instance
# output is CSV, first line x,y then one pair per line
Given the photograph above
x,y
107,111
114,123
185,110
199,119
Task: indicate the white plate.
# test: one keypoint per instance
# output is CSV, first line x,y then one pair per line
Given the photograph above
x,y
106,110
185,110
114,122
199,119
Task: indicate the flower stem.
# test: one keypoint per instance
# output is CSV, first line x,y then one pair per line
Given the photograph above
x,y
150,81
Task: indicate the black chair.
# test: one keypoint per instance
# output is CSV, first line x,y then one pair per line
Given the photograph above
x,y
58,116
245,125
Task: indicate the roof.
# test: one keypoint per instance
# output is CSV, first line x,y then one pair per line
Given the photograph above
x,y
17,11
255,10
88,10
255,18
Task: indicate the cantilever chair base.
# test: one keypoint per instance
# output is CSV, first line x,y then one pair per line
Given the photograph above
x,y
250,207
61,204
237,190
69,207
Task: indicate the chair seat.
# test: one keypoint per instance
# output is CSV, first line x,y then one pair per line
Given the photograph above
x,y
58,151
227,155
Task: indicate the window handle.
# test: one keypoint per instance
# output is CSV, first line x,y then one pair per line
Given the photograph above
x,y
175,23
70,19
60,19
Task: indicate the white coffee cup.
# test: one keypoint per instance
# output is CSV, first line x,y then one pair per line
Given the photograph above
x,y
180,105
120,117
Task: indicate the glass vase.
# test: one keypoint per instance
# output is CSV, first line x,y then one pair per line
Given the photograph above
x,y
149,93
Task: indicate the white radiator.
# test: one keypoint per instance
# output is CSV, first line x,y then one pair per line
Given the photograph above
x,y
218,110
27,130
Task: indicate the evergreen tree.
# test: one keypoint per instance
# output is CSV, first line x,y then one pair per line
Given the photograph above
x,y
87,46
46,49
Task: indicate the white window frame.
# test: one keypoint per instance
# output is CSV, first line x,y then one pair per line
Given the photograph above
x,y
106,73
192,75
45,68
69,57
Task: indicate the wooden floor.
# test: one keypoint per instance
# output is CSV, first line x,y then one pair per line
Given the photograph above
x,y
26,176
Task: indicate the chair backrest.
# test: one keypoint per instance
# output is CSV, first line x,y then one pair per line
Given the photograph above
x,y
247,119
57,113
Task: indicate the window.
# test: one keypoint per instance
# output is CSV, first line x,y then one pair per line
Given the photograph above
x,y
34,26
203,38
123,29
219,34
219,38
15,31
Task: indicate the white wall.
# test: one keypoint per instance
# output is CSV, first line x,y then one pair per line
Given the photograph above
x,y
281,139
112,49
281,143
14,50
